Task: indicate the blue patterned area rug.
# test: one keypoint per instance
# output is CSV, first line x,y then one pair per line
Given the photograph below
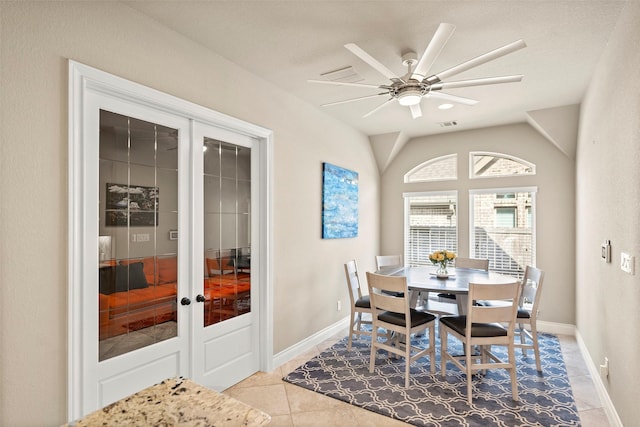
x,y
432,400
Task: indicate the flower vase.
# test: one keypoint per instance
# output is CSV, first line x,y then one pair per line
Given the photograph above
x,y
442,271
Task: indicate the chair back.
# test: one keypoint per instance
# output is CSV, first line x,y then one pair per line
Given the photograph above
x,y
353,281
217,262
476,263
388,261
390,310
388,293
531,289
505,313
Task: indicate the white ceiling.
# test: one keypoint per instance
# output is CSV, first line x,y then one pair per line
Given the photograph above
x,y
288,42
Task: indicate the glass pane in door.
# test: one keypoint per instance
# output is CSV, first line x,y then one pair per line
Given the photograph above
x,y
227,219
138,247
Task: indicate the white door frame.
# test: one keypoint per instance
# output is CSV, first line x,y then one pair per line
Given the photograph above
x,y
84,80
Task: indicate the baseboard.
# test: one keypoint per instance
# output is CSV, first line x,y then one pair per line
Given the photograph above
x,y
556,328
594,371
306,344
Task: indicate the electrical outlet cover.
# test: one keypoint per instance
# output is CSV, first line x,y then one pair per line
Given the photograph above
x,y
626,263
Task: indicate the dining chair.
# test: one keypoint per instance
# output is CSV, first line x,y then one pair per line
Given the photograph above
x,y
218,263
391,311
528,312
483,326
360,304
474,263
388,261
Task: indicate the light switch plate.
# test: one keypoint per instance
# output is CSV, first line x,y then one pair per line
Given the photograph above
x,y
606,251
140,237
626,263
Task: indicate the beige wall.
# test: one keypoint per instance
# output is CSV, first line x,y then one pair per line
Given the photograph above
x,y
555,200
608,207
37,39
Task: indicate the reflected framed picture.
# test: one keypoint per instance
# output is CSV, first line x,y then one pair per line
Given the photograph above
x,y
132,205
339,202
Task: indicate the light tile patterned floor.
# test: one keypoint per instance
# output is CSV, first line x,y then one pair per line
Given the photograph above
x,y
290,405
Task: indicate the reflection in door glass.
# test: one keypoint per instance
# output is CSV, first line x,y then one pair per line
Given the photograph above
x,y
137,275
227,219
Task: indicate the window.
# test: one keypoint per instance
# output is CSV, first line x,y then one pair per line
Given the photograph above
x,y
438,169
505,217
503,224
501,221
431,224
489,165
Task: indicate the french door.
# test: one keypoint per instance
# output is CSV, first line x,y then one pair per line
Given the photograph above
x,y
168,253
225,329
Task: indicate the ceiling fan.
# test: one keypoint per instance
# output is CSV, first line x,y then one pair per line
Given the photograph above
x,y
409,89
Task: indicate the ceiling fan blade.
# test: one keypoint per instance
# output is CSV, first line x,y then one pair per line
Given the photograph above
x,y
452,98
440,38
378,107
479,60
329,82
353,99
416,111
356,50
477,82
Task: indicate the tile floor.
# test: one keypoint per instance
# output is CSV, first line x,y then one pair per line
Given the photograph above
x,y
290,405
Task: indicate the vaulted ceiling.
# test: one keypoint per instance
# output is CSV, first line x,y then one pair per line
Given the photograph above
x,y
289,42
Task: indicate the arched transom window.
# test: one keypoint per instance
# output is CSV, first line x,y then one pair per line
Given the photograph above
x,y
485,165
438,169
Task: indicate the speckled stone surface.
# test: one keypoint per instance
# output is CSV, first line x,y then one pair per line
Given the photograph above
x,y
176,402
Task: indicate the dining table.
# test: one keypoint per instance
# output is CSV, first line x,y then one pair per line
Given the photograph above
x,y
423,279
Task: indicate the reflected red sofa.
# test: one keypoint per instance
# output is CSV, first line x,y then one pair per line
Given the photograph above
x,y
136,293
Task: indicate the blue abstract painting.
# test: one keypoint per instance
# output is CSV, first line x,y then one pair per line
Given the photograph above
x,y
339,202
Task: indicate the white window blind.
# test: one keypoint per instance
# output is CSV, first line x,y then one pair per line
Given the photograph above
x,y
503,228
430,225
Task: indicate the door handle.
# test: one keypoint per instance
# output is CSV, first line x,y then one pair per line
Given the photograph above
x,y
185,301
200,298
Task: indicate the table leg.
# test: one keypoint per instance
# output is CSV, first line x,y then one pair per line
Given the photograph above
x,y
413,298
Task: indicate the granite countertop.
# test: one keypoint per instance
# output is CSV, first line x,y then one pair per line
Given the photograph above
x,y
174,402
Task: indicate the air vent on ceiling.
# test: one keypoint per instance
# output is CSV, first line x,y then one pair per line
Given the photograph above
x,y
448,124
345,75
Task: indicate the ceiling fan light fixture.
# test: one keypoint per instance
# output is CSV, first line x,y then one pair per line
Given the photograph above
x,y
410,88
409,97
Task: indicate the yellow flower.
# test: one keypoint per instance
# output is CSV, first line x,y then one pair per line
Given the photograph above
x,y
442,257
